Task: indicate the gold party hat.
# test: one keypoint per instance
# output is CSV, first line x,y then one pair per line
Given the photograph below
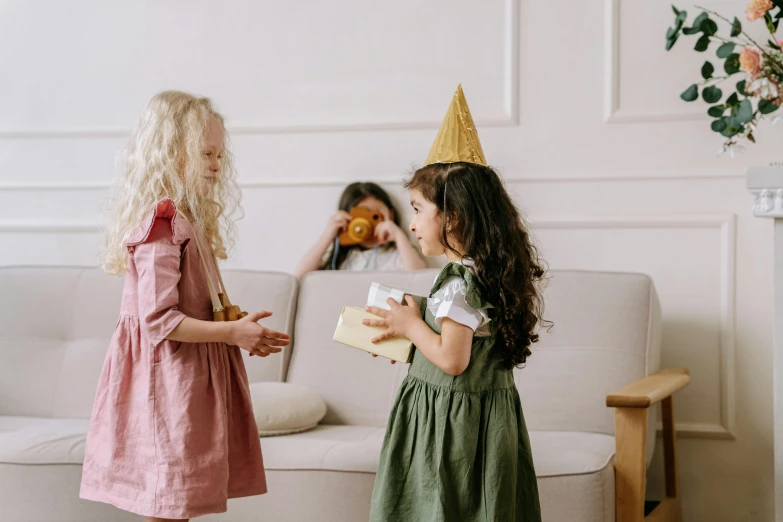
x,y
457,138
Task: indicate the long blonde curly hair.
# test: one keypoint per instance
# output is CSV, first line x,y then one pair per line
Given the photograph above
x,y
163,159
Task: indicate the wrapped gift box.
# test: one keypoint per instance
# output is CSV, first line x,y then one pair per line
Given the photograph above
x,y
351,332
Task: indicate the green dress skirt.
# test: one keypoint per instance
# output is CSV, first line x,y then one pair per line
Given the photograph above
x,y
456,447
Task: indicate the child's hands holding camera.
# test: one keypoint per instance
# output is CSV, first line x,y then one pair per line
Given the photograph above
x,y
388,231
337,224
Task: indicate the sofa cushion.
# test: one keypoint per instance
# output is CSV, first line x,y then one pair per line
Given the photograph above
x,y
32,440
574,470
274,291
282,408
606,335
557,453
583,498
335,448
36,440
358,448
56,325
575,475
358,389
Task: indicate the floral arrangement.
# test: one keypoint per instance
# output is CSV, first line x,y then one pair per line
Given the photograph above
x,y
759,92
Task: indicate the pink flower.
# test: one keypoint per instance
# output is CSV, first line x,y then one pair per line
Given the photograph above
x,y
757,9
750,60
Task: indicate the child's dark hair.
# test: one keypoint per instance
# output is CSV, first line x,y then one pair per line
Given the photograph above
x,y
480,216
352,196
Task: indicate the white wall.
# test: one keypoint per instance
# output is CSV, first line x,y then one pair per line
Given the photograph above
x,y
576,103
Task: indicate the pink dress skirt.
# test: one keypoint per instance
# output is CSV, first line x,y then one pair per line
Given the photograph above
x,y
172,433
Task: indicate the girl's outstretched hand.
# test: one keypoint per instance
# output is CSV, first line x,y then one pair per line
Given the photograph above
x,y
251,336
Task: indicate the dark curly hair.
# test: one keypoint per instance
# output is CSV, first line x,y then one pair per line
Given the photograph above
x,y
481,220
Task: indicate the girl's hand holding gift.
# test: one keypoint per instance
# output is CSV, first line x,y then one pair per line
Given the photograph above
x,y
398,321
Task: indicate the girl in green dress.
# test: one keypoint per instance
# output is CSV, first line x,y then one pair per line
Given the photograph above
x,y
456,446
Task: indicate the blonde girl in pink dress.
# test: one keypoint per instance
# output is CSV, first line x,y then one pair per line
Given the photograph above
x,y
172,434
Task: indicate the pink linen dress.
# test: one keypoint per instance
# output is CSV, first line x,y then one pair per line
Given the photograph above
x,y
172,433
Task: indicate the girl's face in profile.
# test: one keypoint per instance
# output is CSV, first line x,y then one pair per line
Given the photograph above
x,y
426,225
212,153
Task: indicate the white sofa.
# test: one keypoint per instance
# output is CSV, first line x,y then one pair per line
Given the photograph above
x,y
55,325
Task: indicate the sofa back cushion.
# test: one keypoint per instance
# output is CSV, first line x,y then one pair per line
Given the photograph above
x,y
56,325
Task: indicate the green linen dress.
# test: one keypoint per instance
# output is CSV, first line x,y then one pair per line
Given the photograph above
x,y
456,447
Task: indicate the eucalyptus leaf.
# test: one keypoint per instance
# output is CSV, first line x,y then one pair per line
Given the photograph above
x,y
767,107
732,100
709,27
712,94
680,20
699,19
732,64
771,25
691,93
745,111
706,70
725,50
702,43
736,27
732,127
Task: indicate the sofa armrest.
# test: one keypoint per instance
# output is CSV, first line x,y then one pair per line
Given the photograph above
x,y
631,405
649,390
